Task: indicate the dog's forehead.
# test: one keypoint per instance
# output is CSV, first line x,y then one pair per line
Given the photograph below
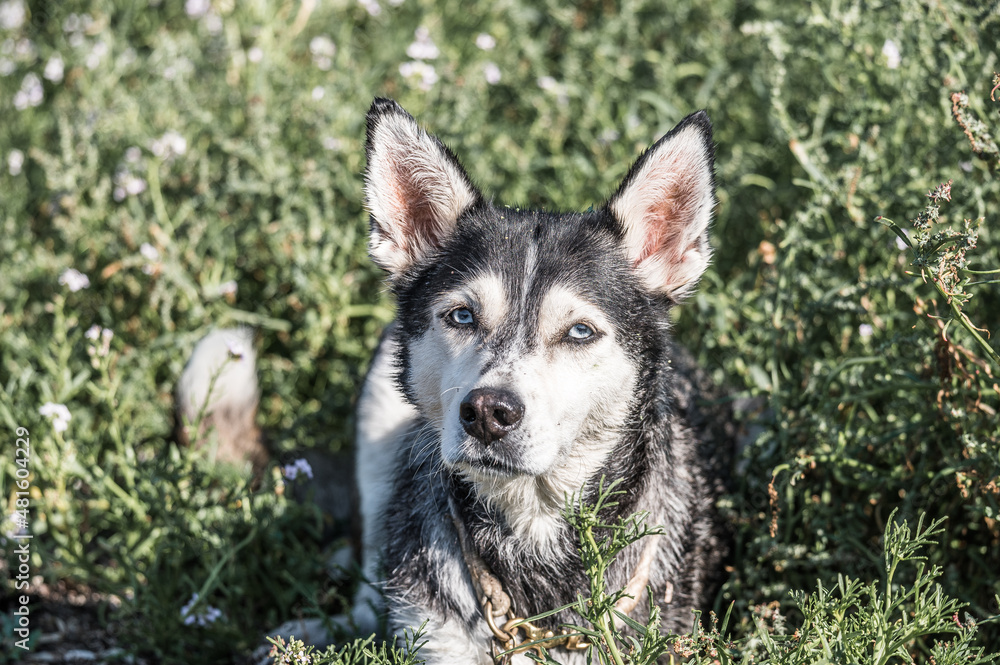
x,y
526,246
522,264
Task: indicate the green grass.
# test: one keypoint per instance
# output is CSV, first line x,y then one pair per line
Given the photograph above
x,y
875,395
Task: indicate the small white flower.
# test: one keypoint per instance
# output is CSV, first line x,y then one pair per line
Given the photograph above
x,y
97,53
15,528
54,68
135,185
547,83
178,144
31,92
891,52
24,49
228,288
318,93
492,73
127,57
485,41
423,47
94,333
609,135
7,67
127,184
197,8
133,154
15,161
149,252
77,23
428,76
74,280
255,54
865,330
322,45
171,144
12,15
208,615
301,465
213,23
54,410
322,49
371,6
58,414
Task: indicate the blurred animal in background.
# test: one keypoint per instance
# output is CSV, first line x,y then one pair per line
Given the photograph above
x,y
217,395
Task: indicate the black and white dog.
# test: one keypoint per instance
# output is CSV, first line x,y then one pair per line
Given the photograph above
x,y
531,356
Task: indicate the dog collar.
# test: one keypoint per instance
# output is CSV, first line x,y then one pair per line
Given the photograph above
x,y
496,605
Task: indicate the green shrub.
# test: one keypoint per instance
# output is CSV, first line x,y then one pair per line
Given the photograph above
x,y
851,622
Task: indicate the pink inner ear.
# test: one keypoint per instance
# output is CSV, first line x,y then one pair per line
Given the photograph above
x,y
413,209
667,217
661,236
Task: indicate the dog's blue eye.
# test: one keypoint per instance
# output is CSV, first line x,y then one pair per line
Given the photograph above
x,y
580,332
462,317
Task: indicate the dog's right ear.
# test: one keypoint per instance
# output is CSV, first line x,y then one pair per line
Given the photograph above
x,y
664,207
415,189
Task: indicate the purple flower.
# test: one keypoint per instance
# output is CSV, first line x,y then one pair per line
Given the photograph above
x,y
300,465
201,617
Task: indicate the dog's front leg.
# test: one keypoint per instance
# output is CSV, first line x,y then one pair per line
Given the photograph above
x,y
445,641
384,419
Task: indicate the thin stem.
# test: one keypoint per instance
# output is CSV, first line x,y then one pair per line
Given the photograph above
x,y
598,595
153,177
210,581
964,320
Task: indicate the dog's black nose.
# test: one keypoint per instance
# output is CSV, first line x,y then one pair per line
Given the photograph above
x,y
490,413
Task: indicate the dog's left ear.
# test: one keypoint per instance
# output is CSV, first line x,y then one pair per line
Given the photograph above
x,y
415,189
664,206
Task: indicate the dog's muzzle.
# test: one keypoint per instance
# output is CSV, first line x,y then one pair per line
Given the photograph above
x,y
489,414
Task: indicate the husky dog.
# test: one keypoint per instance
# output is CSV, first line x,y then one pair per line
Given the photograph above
x,y
531,357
